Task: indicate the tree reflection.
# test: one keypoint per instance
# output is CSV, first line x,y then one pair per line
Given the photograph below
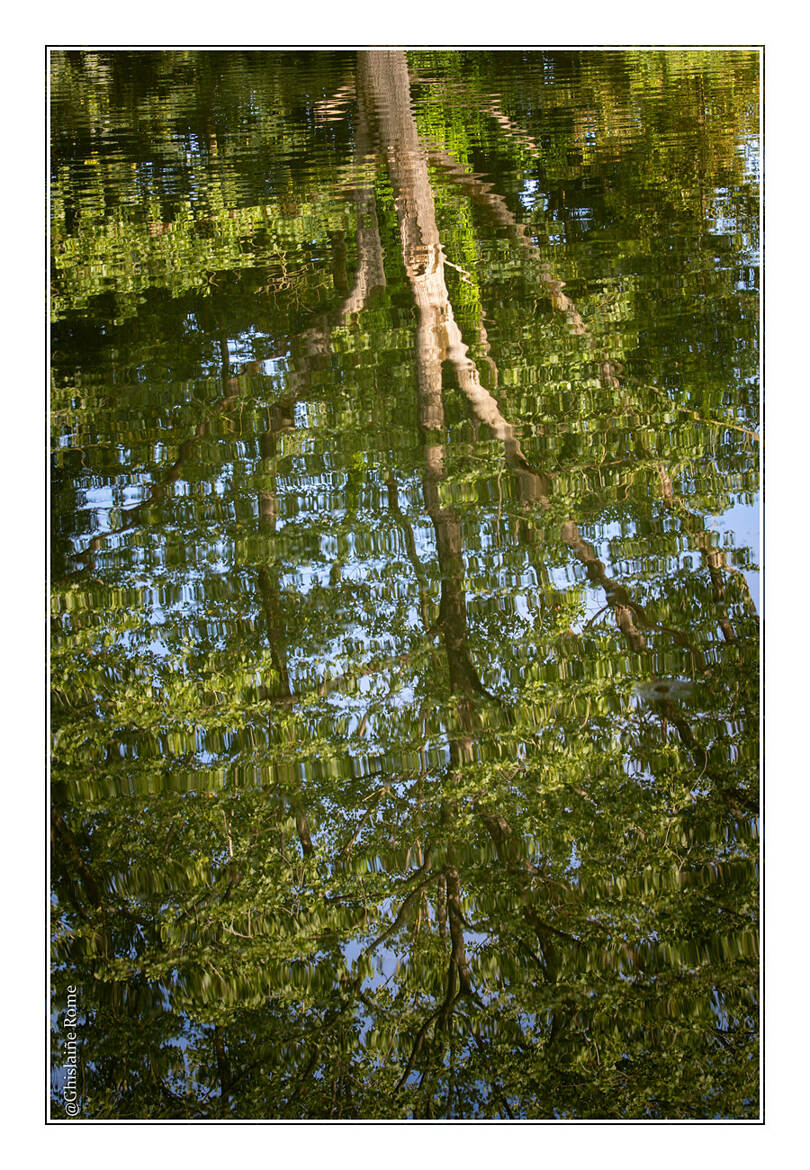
x,y
405,758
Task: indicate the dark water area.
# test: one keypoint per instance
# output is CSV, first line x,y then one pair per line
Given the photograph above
x,y
404,575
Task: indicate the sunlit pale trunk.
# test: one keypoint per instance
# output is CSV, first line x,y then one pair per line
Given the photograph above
x,y
385,76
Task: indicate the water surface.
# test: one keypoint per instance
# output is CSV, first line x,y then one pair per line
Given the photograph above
x,y
405,636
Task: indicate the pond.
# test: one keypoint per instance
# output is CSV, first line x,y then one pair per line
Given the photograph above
x,y
404,584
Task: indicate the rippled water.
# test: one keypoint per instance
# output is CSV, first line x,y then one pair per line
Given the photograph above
x,y
405,637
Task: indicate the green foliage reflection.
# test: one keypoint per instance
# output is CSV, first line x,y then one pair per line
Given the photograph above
x,y
405,688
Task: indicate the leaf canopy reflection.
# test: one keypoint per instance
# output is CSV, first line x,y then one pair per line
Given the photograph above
x,y
405,689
